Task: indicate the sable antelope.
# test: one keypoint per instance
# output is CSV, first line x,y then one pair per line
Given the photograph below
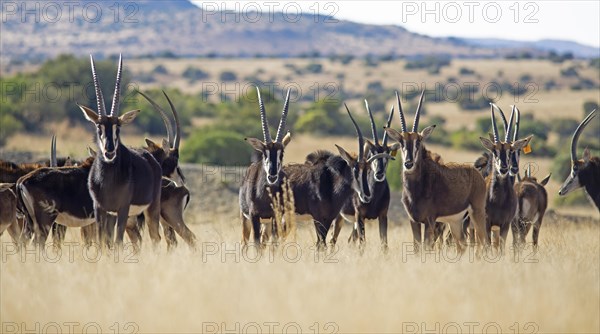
x,y
61,195
485,163
8,213
432,190
533,201
122,181
501,200
357,210
584,172
264,176
326,182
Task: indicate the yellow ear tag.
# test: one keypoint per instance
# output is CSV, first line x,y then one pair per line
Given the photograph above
x,y
527,149
394,152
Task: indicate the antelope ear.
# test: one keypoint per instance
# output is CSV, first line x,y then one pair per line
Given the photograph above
x,y
586,155
91,152
368,145
152,145
4,186
487,144
350,160
394,134
89,114
128,117
427,131
545,180
394,147
165,145
286,139
256,144
519,144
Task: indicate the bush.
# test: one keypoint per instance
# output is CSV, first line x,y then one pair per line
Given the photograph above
x,y
430,63
314,68
466,71
194,74
569,72
10,125
160,69
394,173
228,76
216,147
576,198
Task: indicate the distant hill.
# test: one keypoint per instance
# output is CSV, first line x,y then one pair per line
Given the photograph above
x,y
558,46
147,27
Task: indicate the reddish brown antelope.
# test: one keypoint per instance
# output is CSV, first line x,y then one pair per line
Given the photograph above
x,y
584,172
264,176
326,182
533,201
357,210
122,181
432,190
501,200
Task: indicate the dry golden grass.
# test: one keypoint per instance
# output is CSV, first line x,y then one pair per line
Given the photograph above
x,y
554,291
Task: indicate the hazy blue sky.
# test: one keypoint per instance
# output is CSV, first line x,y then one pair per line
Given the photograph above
x,y
524,20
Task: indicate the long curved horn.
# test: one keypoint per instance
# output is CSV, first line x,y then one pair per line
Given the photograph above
x,y
373,128
387,125
494,127
263,119
418,113
114,110
528,171
53,161
282,121
98,89
361,140
402,120
508,130
578,131
517,122
163,115
503,117
177,138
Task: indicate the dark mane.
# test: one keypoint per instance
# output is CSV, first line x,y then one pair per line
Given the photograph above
x,y
319,156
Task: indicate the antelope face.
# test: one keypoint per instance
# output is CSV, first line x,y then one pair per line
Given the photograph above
x,y
169,158
107,130
378,166
572,182
505,155
360,175
272,156
411,145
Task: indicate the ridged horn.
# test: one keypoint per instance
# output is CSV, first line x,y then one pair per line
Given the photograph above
x,y
494,127
387,125
402,120
361,140
263,119
577,133
163,115
177,138
418,113
282,121
98,89
373,127
116,102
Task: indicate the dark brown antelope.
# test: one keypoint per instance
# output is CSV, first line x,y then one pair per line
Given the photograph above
x,y
501,200
122,181
264,176
8,213
356,210
433,190
532,203
585,172
326,182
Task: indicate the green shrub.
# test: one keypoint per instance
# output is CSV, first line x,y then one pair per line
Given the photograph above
x,y
160,69
228,76
216,147
194,74
576,198
394,173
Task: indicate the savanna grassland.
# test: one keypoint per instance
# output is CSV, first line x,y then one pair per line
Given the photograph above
x,y
217,288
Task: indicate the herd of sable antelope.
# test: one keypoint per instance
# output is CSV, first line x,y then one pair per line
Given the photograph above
x,y
119,189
